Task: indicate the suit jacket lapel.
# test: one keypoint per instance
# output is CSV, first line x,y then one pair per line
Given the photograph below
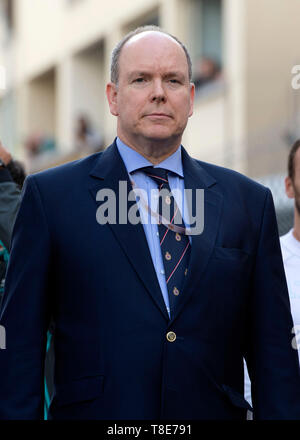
x,y
195,177
109,171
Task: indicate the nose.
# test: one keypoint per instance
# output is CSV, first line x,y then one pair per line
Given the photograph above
x,y
158,93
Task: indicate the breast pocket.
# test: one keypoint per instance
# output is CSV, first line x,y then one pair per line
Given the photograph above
x,y
230,254
80,390
232,269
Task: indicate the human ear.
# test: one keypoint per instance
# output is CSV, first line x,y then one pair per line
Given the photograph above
x,y
192,97
289,188
112,94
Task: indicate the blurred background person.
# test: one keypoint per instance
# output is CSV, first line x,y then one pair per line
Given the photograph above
x,y
87,139
290,242
12,177
290,247
17,172
39,143
9,194
207,70
9,205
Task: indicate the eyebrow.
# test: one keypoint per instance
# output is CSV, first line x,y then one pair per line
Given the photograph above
x,y
170,74
176,74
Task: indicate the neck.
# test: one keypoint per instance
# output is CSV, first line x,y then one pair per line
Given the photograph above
x,y
155,151
296,230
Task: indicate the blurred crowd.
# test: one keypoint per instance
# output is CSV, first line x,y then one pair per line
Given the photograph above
x,y
87,140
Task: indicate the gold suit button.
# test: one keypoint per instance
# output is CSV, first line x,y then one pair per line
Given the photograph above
x,y
168,256
171,336
176,291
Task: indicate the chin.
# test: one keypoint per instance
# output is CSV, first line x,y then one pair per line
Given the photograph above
x,y
158,134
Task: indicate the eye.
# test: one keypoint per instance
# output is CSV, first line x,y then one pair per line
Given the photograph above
x,y
174,81
139,80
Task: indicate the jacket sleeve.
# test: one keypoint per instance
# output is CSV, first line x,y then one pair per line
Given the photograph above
x,y
9,205
24,314
272,360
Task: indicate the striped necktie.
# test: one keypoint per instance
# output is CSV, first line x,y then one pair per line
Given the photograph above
x,y
175,246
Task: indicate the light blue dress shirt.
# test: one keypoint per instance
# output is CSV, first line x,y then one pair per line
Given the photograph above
x,y
133,161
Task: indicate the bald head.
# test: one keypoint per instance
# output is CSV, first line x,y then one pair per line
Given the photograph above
x,y
136,36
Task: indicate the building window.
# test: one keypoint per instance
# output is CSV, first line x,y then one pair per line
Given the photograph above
x,y
153,21
206,40
150,18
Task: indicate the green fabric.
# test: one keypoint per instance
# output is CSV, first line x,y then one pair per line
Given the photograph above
x,y
4,252
47,397
5,255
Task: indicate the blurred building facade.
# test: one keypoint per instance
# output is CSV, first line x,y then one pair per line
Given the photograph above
x,y
56,55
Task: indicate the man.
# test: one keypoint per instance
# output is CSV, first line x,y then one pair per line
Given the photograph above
x,y
9,197
290,247
290,243
129,344
12,176
9,204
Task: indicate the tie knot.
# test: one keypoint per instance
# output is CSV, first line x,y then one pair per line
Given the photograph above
x,y
159,175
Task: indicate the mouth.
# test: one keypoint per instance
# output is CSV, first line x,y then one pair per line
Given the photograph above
x,y
158,116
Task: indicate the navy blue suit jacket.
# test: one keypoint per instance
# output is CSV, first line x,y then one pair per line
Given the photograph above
x,y
112,357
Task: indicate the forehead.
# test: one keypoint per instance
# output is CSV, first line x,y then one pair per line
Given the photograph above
x,y
152,50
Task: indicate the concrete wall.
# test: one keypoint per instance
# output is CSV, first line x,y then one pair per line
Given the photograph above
x,y
272,49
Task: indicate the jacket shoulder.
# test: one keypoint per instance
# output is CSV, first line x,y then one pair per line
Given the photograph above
x,y
67,173
228,178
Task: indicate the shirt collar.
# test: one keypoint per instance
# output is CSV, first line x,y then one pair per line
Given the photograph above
x,y
134,161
